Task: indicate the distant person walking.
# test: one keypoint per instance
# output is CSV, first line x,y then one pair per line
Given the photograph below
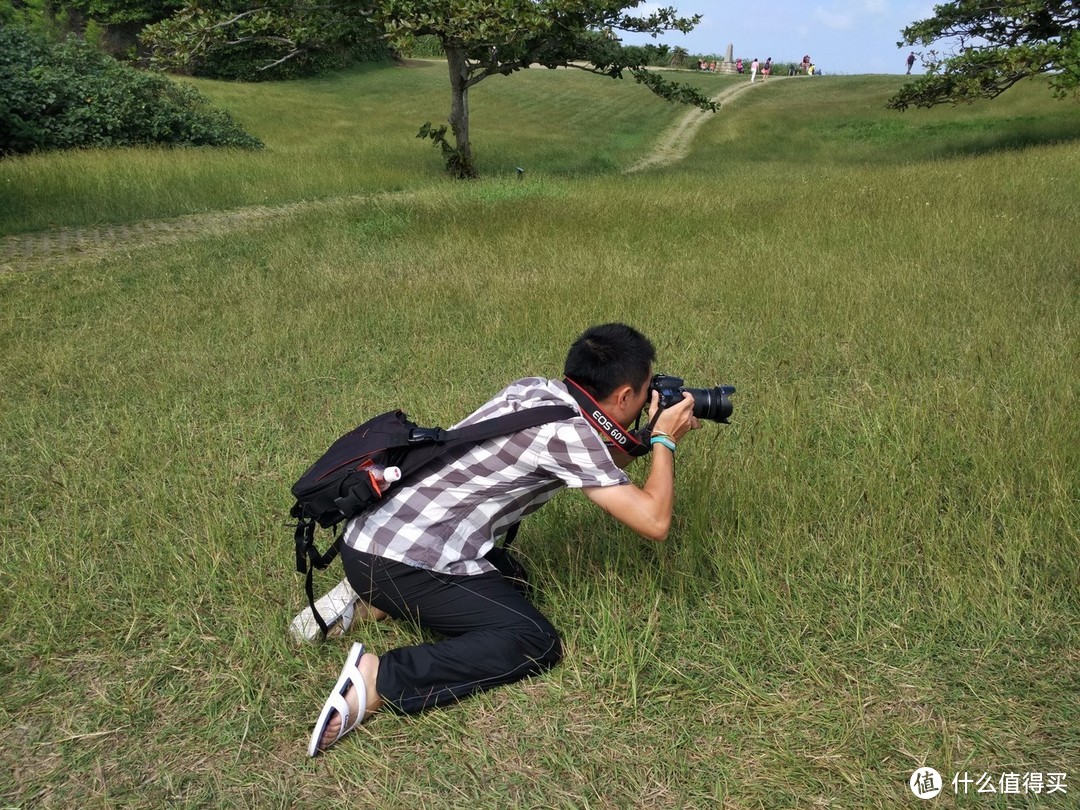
x,y
738,66
754,69
766,69
910,62
806,64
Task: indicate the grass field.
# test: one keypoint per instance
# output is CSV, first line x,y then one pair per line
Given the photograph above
x,y
872,569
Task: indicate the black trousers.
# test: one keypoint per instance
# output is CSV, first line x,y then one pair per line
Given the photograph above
x,y
494,635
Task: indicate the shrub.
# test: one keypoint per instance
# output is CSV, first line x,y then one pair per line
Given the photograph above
x,y
66,95
423,47
247,61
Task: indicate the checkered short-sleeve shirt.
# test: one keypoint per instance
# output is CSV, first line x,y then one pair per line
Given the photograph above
x,y
449,519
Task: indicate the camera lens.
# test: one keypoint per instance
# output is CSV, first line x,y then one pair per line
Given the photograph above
x,y
713,403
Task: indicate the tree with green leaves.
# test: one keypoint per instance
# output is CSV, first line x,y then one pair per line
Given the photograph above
x,y
994,44
480,38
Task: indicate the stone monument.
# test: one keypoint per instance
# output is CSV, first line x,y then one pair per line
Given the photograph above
x,y
728,65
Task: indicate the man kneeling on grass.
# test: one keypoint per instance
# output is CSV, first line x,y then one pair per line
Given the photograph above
x,y
427,553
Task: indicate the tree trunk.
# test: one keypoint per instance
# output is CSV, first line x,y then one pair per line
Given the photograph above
x,y
459,112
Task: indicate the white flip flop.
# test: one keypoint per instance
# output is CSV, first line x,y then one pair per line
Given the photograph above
x,y
350,676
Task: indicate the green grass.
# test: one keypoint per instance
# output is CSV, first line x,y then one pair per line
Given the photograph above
x,y
843,121
873,568
350,134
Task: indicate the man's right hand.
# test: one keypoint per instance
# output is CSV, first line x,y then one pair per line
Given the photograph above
x,y
647,510
676,421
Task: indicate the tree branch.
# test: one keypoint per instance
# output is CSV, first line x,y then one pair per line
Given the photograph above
x,y
285,58
992,45
242,15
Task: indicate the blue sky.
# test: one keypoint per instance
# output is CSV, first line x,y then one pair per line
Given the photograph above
x,y
841,36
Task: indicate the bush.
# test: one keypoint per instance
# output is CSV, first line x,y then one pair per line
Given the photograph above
x,y
66,95
247,61
423,47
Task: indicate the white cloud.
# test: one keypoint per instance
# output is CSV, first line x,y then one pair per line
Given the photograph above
x,y
833,19
844,16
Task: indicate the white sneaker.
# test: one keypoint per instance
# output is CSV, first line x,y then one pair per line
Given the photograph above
x,y
337,608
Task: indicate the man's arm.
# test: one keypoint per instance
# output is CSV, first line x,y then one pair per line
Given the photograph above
x,y
621,458
647,510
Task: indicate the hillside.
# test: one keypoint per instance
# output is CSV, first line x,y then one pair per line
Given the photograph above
x,y
871,570
353,134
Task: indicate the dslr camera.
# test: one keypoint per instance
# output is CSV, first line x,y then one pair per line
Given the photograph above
x,y
709,403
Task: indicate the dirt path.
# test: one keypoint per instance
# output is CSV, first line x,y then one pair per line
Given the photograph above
x,y
674,144
32,250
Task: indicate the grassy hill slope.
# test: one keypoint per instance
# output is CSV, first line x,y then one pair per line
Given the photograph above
x,y
873,568
350,133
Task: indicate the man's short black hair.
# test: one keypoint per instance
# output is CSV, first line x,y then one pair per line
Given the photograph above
x,y
605,357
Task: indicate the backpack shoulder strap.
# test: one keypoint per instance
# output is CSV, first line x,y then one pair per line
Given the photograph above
x,y
429,444
509,423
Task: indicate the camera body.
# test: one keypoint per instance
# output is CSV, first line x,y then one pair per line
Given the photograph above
x,y
709,403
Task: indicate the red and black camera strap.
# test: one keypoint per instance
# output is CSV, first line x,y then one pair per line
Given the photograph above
x,y
632,442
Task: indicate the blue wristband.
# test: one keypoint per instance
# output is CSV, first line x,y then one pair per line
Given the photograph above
x,y
666,442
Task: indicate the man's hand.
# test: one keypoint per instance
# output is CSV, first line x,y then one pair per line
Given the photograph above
x,y
647,510
676,421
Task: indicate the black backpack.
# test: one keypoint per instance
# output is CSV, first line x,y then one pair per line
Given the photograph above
x,y
338,487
